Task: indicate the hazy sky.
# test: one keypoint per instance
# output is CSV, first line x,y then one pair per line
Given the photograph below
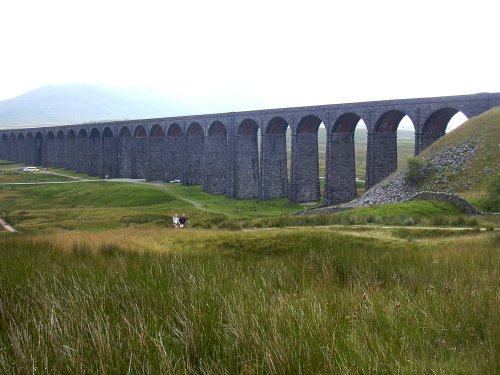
x,y
289,52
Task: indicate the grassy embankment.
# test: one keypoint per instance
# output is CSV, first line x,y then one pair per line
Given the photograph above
x,y
473,181
302,301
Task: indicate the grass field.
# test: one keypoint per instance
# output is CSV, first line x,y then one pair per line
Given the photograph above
x,y
97,281
308,301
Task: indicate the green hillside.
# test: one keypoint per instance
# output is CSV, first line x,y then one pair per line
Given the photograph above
x,y
482,133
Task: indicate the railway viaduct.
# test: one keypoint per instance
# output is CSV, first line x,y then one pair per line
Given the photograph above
x,y
243,155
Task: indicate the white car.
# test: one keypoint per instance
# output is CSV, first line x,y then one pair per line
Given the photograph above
x,y
176,181
29,169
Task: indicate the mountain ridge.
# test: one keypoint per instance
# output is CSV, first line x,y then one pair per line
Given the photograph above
x,y
78,103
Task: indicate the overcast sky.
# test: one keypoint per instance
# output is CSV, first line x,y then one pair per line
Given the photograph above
x,y
288,52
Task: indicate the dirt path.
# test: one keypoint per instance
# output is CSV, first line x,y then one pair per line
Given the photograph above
x,y
6,226
165,187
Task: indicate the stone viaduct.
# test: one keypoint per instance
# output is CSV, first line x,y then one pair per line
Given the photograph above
x,y
243,155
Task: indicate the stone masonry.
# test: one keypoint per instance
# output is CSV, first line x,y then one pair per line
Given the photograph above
x,y
243,155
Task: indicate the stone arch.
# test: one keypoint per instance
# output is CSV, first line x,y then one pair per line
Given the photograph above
x,y
216,167
107,152
246,169
71,150
340,169
389,121
195,149
140,153
309,124
305,185
274,161
82,152
95,145
217,129
156,153
434,127
382,158
125,152
60,149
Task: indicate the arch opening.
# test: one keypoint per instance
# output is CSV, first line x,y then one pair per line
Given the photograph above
x,y
217,128
436,125
392,144
174,131
140,132
309,124
125,132
156,132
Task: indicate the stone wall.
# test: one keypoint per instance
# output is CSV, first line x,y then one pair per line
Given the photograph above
x,y
156,158
216,166
340,179
230,165
82,157
305,168
60,146
140,147
382,158
194,159
71,153
94,157
107,157
453,199
175,155
246,167
125,146
21,150
30,151
274,166
50,158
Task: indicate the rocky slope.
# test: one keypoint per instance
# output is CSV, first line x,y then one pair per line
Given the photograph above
x,y
462,163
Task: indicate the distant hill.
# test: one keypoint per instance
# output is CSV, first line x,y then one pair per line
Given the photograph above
x,y
75,103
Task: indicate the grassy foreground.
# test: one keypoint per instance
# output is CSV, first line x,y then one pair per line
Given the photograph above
x,y
303,301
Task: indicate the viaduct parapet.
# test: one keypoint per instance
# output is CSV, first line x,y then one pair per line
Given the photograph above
x,y
243,155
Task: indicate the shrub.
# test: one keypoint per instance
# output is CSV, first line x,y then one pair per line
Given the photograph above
x,y
418,170
492,202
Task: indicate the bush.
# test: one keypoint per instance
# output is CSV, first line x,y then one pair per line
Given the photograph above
x,y
418,170
492,202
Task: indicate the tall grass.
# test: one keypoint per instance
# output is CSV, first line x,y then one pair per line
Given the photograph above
x,y
281,302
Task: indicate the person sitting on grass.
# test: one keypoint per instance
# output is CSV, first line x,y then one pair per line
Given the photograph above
x,y
183,221
175,221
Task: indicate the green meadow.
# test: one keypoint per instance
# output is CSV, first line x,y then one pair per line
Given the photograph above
x,y
97,281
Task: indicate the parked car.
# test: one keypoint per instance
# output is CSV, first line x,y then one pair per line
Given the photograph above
x,y
31,169
175,181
